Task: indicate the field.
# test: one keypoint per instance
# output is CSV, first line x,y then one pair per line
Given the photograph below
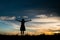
x,y
28,37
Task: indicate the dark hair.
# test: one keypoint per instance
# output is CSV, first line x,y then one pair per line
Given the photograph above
x,y
23,19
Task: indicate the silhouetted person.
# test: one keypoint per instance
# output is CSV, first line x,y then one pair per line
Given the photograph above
x,y
22,28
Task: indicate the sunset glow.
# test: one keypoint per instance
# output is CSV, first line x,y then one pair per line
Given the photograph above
x,y
41,17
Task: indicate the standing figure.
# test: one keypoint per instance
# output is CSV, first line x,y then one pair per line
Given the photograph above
x,y
22,28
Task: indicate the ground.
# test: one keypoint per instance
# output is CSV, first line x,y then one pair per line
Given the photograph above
x,y
28,37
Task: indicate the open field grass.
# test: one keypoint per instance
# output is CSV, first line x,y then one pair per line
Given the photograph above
x,y
28,37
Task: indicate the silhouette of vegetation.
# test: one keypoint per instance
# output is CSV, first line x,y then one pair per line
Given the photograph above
x,y
29,37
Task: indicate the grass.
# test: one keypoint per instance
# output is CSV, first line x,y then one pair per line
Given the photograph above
x,y
28,37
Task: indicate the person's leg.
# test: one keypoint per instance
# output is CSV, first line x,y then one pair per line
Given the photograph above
x,y
23,32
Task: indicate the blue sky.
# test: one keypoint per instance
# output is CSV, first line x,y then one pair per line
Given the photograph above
x,y
41,12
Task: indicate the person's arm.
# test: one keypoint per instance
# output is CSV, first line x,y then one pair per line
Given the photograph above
x,y
28,20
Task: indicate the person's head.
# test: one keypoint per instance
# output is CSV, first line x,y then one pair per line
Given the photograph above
x,y
22,19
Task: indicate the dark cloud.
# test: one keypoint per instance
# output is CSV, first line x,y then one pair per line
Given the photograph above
x,y
18,7
43,22
54,30
58,25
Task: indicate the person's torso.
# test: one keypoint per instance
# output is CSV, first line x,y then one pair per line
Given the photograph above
x,y
22,22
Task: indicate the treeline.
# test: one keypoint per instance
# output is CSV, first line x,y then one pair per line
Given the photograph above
x,y
33,37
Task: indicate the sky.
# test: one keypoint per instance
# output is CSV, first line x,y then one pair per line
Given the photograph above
x,y
45,16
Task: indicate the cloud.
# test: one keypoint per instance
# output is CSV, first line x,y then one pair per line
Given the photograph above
x,y
15,26
41,16
45,18
37,25
7,17
55,30
24,16
35,12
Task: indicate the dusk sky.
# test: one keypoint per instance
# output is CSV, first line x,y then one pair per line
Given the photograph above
x,y
45,16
